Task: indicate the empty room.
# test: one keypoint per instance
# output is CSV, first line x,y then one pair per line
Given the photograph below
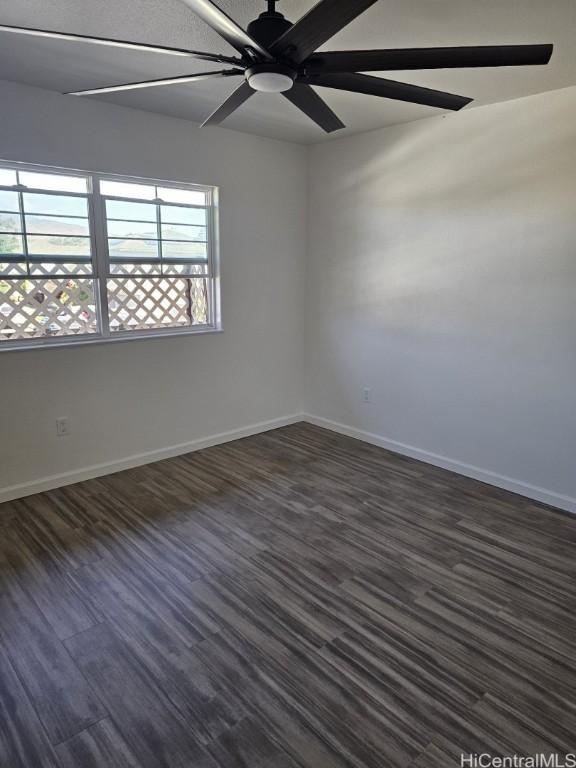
x,y
288,384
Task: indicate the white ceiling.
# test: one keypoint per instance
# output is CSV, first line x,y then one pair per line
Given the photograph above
x,y
64,66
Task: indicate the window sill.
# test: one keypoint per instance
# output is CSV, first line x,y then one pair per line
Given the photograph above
x,y
119,337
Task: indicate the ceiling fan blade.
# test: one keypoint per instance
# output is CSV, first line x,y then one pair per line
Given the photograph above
x,y
430,58
389,89
317,26
226,27
119,44
235,100
155,83
306,99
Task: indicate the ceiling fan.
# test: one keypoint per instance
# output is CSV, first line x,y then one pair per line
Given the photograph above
x,y
277,56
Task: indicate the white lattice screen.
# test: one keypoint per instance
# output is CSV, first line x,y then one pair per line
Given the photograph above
x,y
32,308
46,307
137,303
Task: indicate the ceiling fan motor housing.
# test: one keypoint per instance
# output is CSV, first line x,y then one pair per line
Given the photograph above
x,y
271,76
268,27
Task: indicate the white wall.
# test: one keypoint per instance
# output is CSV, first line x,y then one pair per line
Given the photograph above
x,y
130,398
443,275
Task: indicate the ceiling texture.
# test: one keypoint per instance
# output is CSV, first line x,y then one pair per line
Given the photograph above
x,y
66,66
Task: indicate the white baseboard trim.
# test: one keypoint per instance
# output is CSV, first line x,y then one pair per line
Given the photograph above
x,y
566,503
42,484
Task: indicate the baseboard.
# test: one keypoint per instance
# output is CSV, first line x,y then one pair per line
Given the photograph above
x,y
566,503
533,492
97,470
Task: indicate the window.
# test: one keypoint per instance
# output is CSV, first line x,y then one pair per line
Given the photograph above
x,y
90,257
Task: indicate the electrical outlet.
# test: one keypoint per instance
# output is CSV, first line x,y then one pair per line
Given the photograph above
x,y
367,395
62,426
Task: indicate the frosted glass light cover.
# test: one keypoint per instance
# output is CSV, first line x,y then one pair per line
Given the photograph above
x,y
271,82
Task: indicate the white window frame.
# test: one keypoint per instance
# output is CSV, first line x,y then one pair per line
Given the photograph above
x,y
100,260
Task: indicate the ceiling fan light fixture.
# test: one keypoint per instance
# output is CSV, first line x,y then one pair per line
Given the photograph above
x,y
270,78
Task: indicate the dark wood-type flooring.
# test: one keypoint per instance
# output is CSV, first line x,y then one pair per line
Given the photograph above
x,y
294,599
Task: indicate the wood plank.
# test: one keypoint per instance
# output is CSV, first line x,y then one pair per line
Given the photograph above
x,y
51,589
58,691
244,677
23,742
180,673
152,726
49,536
124,584
246,745
100,746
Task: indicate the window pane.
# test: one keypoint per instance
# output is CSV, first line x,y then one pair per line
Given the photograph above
x,y
125,189
172,250
8,201
56,225
199,299
46,307
58,246
122,250
185,269
140,229
55,204
10,222
182,232
12,268
54,181
118,209
11,244
149,302
185,196
135,269
7,177
61,268
174,214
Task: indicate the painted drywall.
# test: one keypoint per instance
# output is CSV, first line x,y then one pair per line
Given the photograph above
x,y
127,399
442,275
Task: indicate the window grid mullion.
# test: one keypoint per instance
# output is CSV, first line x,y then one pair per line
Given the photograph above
x,y
213,277
159,233
23,234
101,260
